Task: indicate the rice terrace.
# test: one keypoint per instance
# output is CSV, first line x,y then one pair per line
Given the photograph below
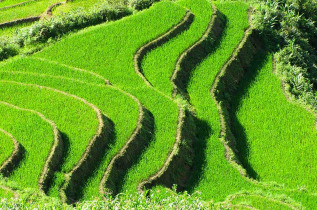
x,y
158,104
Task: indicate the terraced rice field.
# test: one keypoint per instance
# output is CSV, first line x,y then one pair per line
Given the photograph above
x,y
35,8
182,93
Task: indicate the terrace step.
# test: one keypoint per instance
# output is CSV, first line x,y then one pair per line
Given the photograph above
x,y
13,115
196,53
258,200
12,161
182,26
46,100
142,133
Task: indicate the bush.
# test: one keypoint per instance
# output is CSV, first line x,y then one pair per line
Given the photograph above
x,y
289,29
141,4
55,27
7,49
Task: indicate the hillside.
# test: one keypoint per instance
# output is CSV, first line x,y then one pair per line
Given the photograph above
x,y
158,104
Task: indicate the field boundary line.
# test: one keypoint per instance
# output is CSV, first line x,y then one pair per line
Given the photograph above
x,y
288,95
16,156
15,194
145,125
55,156
263,197
214,30
183,25
17,5
51,76
124,158
19,21
31,19
80,172
170,157
226,136
72,67
48,12
165,174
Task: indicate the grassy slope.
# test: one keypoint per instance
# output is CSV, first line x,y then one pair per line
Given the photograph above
x,y
10,2
159,64
33,9
260,202
35,135
80,4
109,100
217,177
5,193
32,65
6,147
76,120
281,136
108,50
9,31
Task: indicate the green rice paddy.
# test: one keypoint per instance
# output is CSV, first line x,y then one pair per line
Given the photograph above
x,y
88,84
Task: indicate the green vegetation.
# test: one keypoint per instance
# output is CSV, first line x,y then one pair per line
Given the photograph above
x,y
11,2
10,31
5,193
92,43
181,95
6,148
157,66
289,28
64,110
284,127
226,179
261,202
33,9
32,132
84,4
56,76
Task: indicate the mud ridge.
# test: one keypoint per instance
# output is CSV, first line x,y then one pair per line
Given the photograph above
x,y
17,5
94,151
20,21
196,53
15,158
55,156
183,25
47,13
127,156
226,83
178,164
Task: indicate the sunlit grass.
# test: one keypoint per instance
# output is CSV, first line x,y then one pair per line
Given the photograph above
x,y
10,31
6,3
218,178
159,64
280,136
35,135
6,147
84,4
119,107
108,50
76,120
32,9
261,202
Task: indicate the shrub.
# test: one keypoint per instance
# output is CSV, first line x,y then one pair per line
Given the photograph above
x,y
58,26
289,28
7,49
141,4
